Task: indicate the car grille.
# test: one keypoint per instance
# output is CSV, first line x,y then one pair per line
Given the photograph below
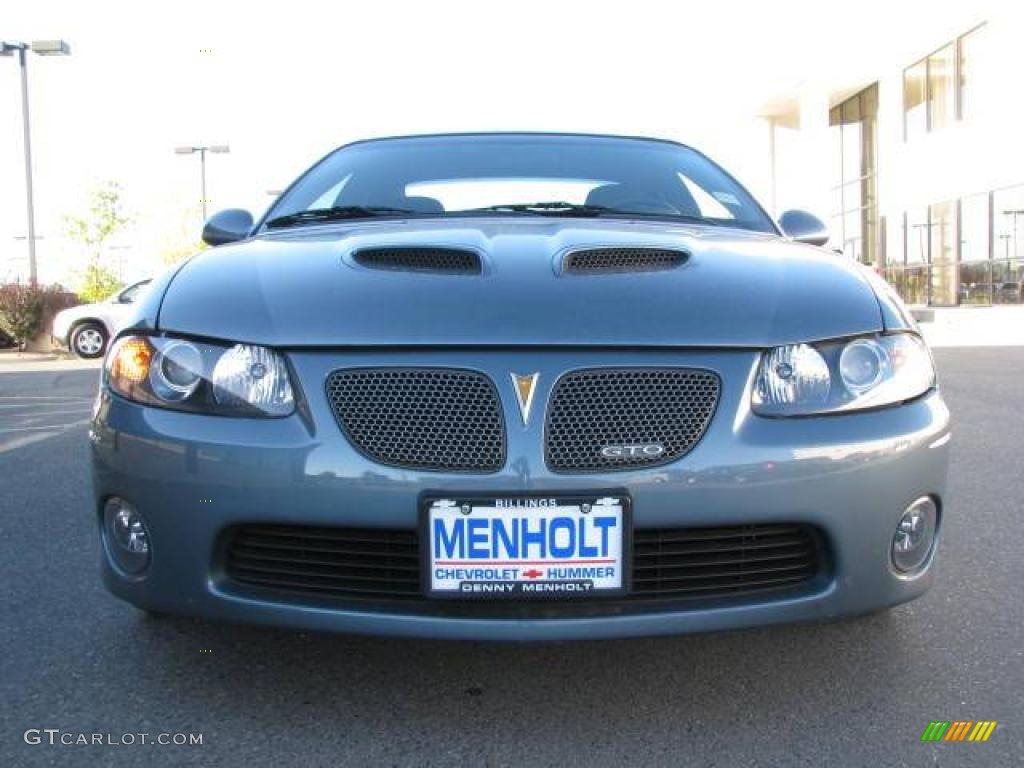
x,y
711,562
594,409
355,562
602,260
668,564
446,260
435,419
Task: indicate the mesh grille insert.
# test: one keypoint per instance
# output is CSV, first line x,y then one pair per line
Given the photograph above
x,y
597,260
439,419
595,409
446,260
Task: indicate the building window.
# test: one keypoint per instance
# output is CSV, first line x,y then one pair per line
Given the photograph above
x,y
941,88
916,223
975,250
976,283
975,234
911,278
915,110
1008,207
969,251
1008,246
895,233
855,207
968,65
942,249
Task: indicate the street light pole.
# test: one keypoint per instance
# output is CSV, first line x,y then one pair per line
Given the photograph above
x,y
27,132
43,48
202,174
202,150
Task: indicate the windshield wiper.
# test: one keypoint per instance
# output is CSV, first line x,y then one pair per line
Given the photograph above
x,y
549,208
543,208
558,208
335,213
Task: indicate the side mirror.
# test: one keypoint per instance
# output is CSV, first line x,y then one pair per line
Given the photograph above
x,y
227,226
804,227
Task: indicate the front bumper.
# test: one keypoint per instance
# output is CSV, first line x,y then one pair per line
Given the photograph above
x,y
60,331
193,477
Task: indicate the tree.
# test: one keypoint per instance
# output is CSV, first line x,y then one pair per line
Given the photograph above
x,y
105,218
181,242
174,254
97,283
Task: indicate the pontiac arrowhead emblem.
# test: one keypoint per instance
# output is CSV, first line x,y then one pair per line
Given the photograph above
x,y
524,387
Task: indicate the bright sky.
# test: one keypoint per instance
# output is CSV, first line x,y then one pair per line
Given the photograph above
x,y
285,83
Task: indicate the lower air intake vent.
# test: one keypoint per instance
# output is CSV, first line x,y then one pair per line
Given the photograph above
x,y
437,419
343,562
442,260
669,564
601,260
715,562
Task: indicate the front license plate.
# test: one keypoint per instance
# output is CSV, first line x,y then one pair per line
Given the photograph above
x,y
526,548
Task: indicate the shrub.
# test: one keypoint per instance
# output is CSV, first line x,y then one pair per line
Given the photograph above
x,y
25,307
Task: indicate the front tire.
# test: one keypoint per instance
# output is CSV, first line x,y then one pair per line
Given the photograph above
x,y
89,340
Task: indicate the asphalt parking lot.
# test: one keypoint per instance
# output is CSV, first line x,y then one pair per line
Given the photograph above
x,y
856,692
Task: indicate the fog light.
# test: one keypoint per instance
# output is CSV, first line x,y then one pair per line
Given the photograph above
x,y
914,536
127,535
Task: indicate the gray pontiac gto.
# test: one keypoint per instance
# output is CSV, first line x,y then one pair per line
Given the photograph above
x,y
518,386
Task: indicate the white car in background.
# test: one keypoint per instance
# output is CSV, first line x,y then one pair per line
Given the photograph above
x,y
87,328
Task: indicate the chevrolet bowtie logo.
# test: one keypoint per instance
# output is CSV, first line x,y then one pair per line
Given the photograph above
x,y
524,387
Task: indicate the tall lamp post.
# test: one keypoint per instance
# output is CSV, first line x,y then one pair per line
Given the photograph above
x,y
42,48
219,149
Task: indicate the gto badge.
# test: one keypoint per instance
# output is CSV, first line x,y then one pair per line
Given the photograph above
x,y
525,386
651,451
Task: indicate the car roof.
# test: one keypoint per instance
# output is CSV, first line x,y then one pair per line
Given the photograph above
x,y
517,134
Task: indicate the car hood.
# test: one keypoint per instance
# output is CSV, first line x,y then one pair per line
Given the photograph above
x,y
85,310
301,288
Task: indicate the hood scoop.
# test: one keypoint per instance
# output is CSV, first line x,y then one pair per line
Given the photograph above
x,y
595,261
448,261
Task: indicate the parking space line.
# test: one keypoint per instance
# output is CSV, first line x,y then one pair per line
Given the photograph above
x,y
79,403
36,399
41,400
36,434
66,425
76,408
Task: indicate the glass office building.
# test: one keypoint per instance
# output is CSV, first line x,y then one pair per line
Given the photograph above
x,y
925,181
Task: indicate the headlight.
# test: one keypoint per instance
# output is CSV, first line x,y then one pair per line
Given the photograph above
x,y
242,380
833,377
252,376
796,375
177,371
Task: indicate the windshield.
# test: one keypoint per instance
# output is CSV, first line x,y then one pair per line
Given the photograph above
x,y
547,175
131,294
